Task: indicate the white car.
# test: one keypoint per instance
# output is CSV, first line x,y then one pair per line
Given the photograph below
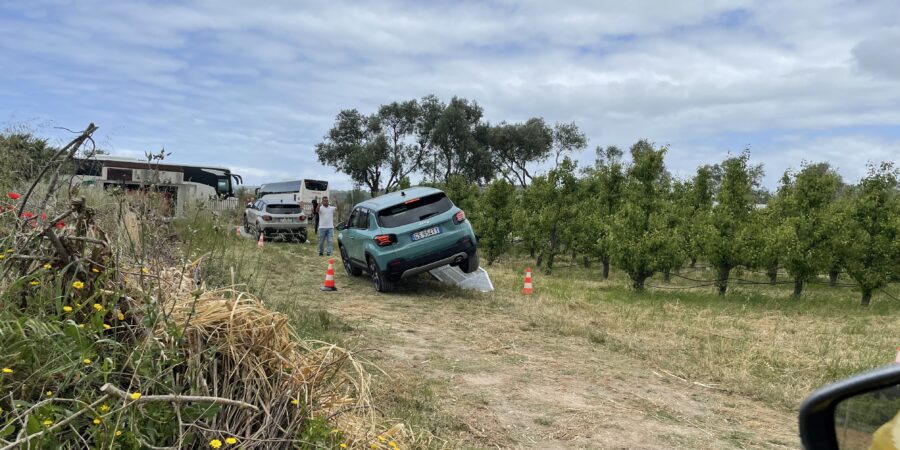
x,y
271,218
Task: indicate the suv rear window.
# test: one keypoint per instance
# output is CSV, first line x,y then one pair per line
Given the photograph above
x,y
283,209
414,210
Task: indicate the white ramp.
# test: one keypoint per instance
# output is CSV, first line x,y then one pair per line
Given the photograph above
x,y
478,280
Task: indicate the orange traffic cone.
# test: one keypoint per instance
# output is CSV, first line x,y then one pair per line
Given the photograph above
x,y
528,288
329,277
262,238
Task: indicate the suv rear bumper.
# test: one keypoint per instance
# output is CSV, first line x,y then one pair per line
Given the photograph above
x,y
405,268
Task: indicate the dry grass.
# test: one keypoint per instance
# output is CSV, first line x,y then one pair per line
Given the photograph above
x,y
755,341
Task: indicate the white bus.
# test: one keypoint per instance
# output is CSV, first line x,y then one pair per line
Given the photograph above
x,y
300,191
178,183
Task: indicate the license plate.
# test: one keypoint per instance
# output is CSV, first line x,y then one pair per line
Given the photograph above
x,y
428,232
286,219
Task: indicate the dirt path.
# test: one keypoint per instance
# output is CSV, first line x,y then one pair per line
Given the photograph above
x,y
519,385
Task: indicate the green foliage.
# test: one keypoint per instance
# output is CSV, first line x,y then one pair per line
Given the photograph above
x,y
805,200
517,144
725,239
599,199
22,156
357,146
869,220
493,219
643,243
456,149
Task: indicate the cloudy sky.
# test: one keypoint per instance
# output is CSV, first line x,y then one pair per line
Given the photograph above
x,y
255,85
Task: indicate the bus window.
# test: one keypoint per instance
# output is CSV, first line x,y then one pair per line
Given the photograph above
x,y
222,186
316,185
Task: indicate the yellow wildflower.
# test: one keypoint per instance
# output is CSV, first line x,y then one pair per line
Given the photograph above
x,y
215,443
34,282
121,316
2,256
335,431
95,270
67,308
97,421
144,270
48,266
104,407
106,326
230,441
381,438
80,325
374,446
392,444
86,360
343,445
98,307
9,250
49,393
135,395
48,422
77,285
118,433
6,370
295,402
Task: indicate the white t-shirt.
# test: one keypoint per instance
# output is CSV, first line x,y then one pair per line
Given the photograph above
x,y
326,216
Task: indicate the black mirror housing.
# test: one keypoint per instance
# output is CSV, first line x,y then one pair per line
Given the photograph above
x,y
817,424
341,226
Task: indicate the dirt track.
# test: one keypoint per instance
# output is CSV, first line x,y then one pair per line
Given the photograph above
x,y
515,384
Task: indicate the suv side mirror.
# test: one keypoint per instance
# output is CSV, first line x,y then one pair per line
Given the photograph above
x,y
341,226
249,205
861,412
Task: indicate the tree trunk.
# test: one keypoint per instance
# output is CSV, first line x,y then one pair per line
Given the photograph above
x,y
574,256
833,276
605,261
667,275
772,273
866,297
553,245
722,274
798,288
586,262
540,259
693,262
637,282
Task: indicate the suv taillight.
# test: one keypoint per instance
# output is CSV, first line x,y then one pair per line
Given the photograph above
x,y
383,240
267,217
302,217
459,217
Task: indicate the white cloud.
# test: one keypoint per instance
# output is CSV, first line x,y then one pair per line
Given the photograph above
x,y
255,86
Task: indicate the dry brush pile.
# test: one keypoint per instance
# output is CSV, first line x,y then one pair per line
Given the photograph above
x,y
108,341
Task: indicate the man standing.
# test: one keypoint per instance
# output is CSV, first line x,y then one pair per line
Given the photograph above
x,y
315,211
326,226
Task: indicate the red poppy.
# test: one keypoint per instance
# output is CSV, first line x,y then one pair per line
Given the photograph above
x,y
13,195
27,215
43,216
60,225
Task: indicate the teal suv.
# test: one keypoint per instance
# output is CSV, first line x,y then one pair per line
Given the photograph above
x,y
401,234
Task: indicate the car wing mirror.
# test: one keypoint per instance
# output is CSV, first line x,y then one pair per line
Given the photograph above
x,y
250,205
861,412
341,226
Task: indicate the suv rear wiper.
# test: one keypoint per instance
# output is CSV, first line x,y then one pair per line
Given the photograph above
x,y
428,215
